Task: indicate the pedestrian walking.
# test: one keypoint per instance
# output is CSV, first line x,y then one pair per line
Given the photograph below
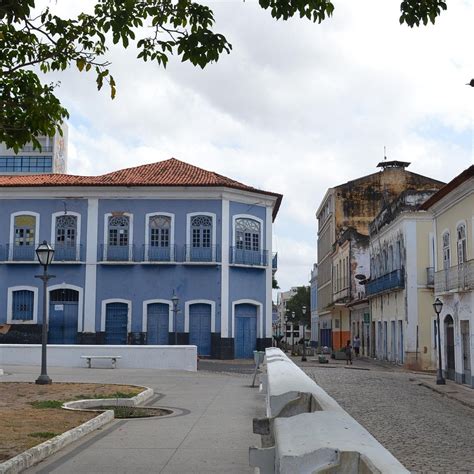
x,y
348,350
356,345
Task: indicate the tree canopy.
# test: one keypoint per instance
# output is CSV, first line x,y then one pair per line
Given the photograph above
x,y
32,39
296,303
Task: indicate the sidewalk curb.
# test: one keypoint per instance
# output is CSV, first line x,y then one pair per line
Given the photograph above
x,y
447,395
38,453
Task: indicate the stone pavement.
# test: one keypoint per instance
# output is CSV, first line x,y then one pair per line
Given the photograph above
x,y
212,432
425,430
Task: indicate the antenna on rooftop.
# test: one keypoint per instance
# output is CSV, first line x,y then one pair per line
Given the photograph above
x,y
384,152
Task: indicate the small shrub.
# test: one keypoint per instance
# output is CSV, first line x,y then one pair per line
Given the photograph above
x,y
43,434
111,395
47,404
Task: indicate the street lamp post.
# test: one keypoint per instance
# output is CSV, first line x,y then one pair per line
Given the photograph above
x,y
292,333
175,301
438,306
45,254
303,357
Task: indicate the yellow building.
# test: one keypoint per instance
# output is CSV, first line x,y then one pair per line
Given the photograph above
x,y
453,228
400,289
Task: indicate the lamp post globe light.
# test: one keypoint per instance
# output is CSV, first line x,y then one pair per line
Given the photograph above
x,y
175,301
438,306
303,357
45,254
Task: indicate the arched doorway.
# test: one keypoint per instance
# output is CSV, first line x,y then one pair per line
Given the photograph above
x,y
63,315
200,327
116,320
158,323
245,330
449,346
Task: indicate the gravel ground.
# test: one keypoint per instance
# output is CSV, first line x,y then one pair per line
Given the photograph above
x,y
424,430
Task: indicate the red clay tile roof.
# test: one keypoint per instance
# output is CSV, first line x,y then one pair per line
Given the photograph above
x,y
170,172
454,183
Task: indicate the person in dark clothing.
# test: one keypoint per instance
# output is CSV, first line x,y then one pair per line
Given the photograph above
x,y
348,350
357,345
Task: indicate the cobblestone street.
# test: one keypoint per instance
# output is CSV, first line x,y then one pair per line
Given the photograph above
x,y
426,431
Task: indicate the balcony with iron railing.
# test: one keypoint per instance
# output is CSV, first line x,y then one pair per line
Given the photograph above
x,y
457,278
156,254
12,253
202,255
258,258
390,281
116,253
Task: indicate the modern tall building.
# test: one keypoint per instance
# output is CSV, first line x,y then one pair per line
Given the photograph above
x,y
125,244
343,218
52,158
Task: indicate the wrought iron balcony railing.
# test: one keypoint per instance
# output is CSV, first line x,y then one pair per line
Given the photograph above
x,y
209,254
19,253
457,278
67,253
152,253
390,281
248,257
117,253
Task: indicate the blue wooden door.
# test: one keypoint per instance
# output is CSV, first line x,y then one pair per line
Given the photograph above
x,y
116,318
157,323
63,316
245,330
200,328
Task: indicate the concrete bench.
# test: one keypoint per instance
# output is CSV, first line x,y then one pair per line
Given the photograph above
x,y
112,358
306,431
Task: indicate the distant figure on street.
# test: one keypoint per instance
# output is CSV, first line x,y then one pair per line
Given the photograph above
x,y
348,350
357,345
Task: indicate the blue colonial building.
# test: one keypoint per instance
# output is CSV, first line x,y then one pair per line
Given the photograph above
x,y
125,242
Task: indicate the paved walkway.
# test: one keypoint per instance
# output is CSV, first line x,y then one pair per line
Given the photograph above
x,y
212,435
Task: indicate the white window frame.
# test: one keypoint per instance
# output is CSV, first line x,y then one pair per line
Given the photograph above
x,y
80,302
147,232
36,215
446,231
187,304
459,224
130,233
189,216
78,231
145,313
104,311
263,245
259,315
10,319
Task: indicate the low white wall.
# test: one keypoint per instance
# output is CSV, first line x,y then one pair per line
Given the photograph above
x,y
307,430
133,357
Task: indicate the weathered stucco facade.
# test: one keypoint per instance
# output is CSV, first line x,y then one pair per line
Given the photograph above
x,y
352,206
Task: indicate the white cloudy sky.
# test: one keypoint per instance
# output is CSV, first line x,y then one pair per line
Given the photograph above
x,y
295,108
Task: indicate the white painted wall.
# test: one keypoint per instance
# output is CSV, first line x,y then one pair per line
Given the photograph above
x,y
133,357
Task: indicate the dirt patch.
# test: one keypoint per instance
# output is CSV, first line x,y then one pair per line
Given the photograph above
x,y
29,413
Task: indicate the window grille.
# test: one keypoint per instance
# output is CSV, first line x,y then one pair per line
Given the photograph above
x,y
118,230
160,231
66,230
23,305
201,231
247,234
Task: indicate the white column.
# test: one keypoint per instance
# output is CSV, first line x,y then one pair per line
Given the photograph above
x,y
91,265
411,286
268,275
225,269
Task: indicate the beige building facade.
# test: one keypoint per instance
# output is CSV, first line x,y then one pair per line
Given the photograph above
x,y
453,230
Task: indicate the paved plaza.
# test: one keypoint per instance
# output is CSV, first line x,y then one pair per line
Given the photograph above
x,y
212,429
211,433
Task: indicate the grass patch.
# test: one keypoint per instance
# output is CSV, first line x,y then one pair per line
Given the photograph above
x,y
43,434
47,404
111,395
